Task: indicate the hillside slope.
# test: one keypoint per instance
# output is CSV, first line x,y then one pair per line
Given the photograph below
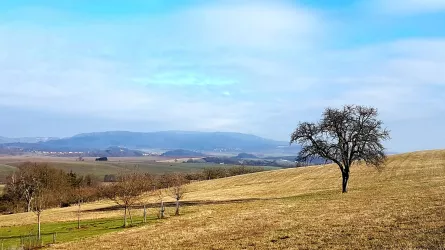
x,y
401,207
412,170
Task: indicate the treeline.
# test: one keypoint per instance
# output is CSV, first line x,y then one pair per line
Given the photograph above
x,y
282,162
39,183
247,162
36,187
207,173
210,173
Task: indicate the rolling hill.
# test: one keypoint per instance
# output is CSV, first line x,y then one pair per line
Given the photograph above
x,y
402,206
168,140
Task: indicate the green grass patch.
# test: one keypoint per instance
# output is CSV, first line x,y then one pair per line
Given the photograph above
x,y
11,237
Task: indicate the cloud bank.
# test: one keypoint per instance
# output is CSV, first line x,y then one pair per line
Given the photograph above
x,y
255,67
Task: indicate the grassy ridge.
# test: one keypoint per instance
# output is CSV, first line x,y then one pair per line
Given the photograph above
x,y
400,207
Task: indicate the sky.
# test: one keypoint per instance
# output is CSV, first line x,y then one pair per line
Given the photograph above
x,y
259,67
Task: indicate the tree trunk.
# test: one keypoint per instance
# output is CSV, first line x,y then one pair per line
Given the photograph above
x,y
78,215
125,216
161,214
131,217
38,227
345,177
177,208
29,206
145,214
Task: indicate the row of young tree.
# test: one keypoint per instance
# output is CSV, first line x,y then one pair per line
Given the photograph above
x,y
37,186
128,191
38,182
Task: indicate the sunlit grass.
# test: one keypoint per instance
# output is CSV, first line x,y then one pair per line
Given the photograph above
x,y
65,231
399,207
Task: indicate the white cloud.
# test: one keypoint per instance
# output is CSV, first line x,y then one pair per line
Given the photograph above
x,y
257,68
101,69
403,78
266,25
409,7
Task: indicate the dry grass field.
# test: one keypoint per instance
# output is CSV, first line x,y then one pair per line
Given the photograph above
x,y
399,207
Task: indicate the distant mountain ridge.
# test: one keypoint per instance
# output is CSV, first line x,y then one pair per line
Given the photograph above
x,y
167,140
26,139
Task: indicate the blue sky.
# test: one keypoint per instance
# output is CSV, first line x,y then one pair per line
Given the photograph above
x,y
258,67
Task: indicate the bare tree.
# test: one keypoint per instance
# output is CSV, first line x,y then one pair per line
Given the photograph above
x,y
24,183
127,191
12,191
343,136
177,189
161,195
30,184
61,188
39,204
79,192
28,193
82,194
27,183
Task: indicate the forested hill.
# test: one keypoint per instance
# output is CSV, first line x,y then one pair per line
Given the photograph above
x,y
199,141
